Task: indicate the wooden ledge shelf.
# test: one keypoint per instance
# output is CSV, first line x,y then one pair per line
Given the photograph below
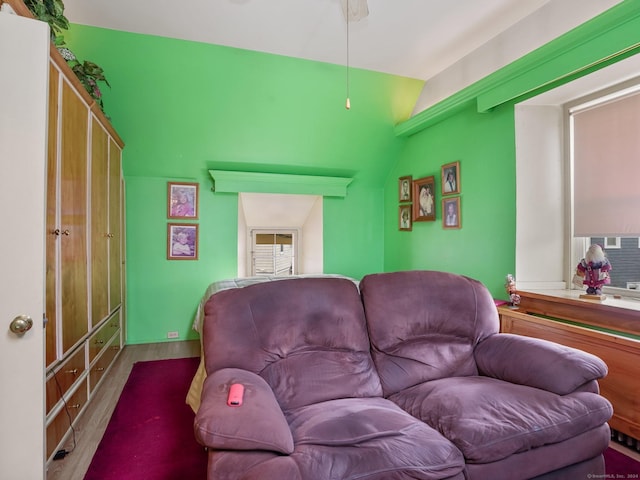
x,y
619,315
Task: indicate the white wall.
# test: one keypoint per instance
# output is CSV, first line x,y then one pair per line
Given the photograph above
x,y
312,260
540,204
549,22
243,267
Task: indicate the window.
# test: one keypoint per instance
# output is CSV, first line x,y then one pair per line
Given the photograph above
x,y
273,253
605,162
547,251
611,242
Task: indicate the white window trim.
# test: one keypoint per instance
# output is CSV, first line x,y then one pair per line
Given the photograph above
x,y
546,252
617,243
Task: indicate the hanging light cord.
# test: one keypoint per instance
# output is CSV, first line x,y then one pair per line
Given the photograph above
x,y
348,103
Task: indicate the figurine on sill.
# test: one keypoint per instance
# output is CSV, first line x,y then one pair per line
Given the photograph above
x,y
593,270
510,287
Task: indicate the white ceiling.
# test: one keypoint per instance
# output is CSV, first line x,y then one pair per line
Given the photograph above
x,y
412,38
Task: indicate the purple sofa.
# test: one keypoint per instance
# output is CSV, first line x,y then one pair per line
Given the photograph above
x,y
406,378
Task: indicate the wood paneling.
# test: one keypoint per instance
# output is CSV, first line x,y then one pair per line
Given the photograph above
x,y
70,371
587,312
73,217
51,219
99,223
59,426
101,338
115,231
102,364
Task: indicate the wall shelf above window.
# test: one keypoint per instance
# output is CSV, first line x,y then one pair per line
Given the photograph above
x,y
254,182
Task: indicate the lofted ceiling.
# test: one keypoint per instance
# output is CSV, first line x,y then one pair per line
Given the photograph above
x,y
411,38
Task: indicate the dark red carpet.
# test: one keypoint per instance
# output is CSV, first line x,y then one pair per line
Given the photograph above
x,y
619,465
150,434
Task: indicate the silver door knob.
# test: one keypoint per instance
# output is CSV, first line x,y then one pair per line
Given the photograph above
x,y
21,324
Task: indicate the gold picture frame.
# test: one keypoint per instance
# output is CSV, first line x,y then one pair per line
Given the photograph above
x,y
404,218
450,176
451,213
182,241
404,189
424,205
182,200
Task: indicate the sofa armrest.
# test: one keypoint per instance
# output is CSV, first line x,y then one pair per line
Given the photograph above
x,y
537,363
258,424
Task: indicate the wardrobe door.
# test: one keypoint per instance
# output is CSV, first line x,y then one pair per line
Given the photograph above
x,y
53,232
73,217
99,223
115,222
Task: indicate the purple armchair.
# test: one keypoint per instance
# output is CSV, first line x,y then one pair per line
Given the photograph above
x,y
516,407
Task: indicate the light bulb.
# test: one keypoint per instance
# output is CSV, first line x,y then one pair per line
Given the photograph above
x,y
348,104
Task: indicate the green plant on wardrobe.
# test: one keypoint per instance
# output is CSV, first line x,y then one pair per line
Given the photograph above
x,y
89,74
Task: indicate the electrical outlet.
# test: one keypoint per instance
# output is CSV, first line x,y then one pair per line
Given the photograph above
x,y
172,335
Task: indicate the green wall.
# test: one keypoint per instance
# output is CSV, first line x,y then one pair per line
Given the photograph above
x,y
476,127
484,248
183,108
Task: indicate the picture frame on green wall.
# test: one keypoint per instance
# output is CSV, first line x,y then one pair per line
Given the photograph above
x,y
182,200
404,189
404,218
451,213
182,241
450,174
424,206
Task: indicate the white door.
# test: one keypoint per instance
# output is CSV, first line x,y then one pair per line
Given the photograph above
x,y
24,53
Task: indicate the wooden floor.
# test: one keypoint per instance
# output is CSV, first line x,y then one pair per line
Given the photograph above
x,y
93,422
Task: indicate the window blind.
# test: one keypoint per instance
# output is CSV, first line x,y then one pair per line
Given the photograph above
x,y
606,163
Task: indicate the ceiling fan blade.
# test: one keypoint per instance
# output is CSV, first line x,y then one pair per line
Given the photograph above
x,y
355,10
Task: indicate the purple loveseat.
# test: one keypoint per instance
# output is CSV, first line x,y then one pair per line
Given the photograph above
x,y
407,378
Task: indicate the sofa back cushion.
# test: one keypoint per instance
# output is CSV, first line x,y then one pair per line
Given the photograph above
x,y
306,337
424,325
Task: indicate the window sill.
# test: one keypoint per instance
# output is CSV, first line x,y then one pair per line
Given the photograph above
x,y
612,314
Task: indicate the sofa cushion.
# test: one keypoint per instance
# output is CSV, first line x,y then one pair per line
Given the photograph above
x,y
258,424
306,337
489,419
424,325
369,437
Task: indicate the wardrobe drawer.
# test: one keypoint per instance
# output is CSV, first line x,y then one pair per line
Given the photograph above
x,y
101,338
66,375
59,426
103,363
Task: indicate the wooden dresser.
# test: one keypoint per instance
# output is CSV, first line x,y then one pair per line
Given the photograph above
x,y
608,329
84,245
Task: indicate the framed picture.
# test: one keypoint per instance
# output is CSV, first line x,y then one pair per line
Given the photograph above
x,y
424,206
404,218
451,212
182,241
182,200
451,178
404,189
